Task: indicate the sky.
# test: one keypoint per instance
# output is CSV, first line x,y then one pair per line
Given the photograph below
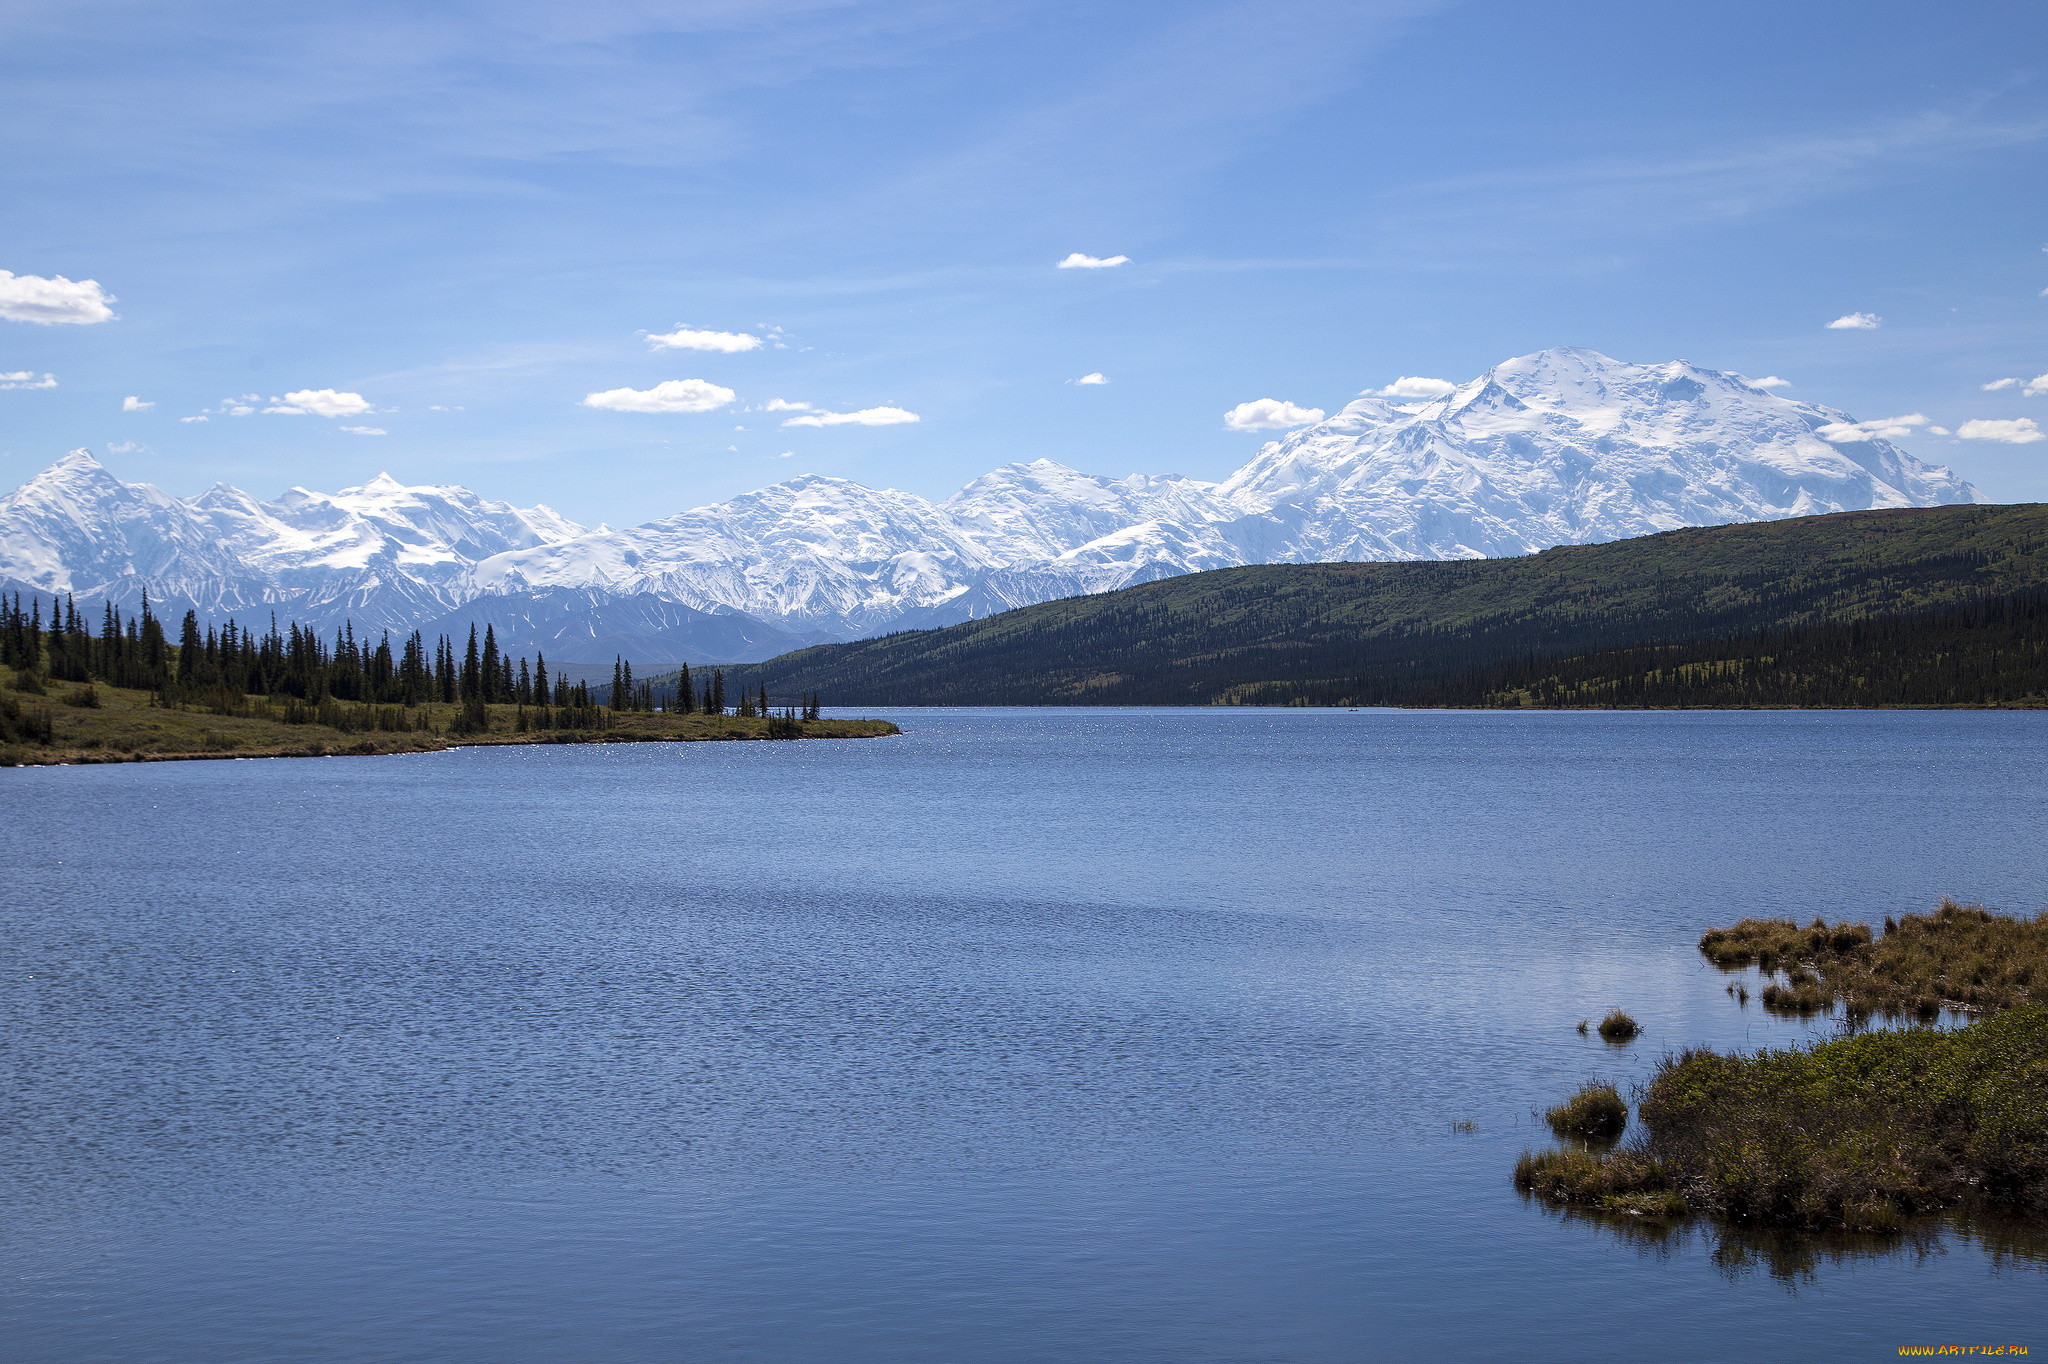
x,y
629,258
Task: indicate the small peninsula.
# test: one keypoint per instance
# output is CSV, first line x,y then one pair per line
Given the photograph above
x,y
126,694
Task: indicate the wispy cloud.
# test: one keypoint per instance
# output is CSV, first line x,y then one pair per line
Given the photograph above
x,y
671,395
129,447
31,298
1593,196
1270,414
366,430
1090,379
784,405
1997,384
683,338
198,417
2018,431
867,416
26,378
1078,261
135,404
1856,322
1883,428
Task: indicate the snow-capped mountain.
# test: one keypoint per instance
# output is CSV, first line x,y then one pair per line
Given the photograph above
x,y
1561,447
1569,447
384,555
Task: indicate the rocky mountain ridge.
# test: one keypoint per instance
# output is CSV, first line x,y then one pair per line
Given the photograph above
x,y
1561,447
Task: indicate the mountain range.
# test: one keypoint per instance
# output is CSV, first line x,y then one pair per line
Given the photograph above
x,y
1565,446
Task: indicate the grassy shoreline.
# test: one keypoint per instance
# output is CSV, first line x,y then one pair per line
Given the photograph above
x,y
1857,1133
126,726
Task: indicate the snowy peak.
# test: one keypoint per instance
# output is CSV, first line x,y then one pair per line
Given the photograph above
x,y
1569,446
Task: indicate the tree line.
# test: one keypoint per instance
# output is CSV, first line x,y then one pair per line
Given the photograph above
x,y
1989,652
221,667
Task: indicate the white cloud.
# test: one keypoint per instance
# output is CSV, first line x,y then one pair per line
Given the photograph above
x,y
1884,428
2036,386
867,416
1997,384
670,395
1856,322
135,404
31,298
1078,261
1095,378
26,378
784,405
682,338
787,454
1770,381
319,402
238,410
1415,386
436,407
200,418
1937,430
2019,431
366,430
1270,414
128,447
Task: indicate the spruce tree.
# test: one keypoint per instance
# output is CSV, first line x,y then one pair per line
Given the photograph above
x,y
540,677
188,646
489,673
472,669
717,706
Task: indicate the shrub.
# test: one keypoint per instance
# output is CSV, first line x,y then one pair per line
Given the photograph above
x,y
1618,1027
84,697
1860,1131
29,681
1596,1112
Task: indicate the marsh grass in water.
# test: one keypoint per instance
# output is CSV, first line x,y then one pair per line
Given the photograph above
x,y
1961,957
1619,1027
1596,1113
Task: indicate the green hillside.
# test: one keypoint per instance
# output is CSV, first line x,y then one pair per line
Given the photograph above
x,y
1370,634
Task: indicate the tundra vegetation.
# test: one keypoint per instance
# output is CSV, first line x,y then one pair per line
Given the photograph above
x,y
1857,1133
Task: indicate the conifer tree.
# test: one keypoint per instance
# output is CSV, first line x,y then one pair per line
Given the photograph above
x,y
540,677
717,706
188,646
472,669
489,675
683,693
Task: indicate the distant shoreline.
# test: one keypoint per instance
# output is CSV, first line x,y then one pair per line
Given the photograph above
x,y
76,724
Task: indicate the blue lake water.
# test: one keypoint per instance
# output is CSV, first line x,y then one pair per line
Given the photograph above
x,y
1032,1034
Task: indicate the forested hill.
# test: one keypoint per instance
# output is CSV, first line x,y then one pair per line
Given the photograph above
x,y
1372,634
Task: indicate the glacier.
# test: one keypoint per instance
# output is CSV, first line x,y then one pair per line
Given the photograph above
x,y
1565,446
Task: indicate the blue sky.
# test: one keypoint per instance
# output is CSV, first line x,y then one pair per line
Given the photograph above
x,y
474,216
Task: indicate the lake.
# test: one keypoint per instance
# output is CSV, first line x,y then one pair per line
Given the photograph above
x,y
1031,1034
